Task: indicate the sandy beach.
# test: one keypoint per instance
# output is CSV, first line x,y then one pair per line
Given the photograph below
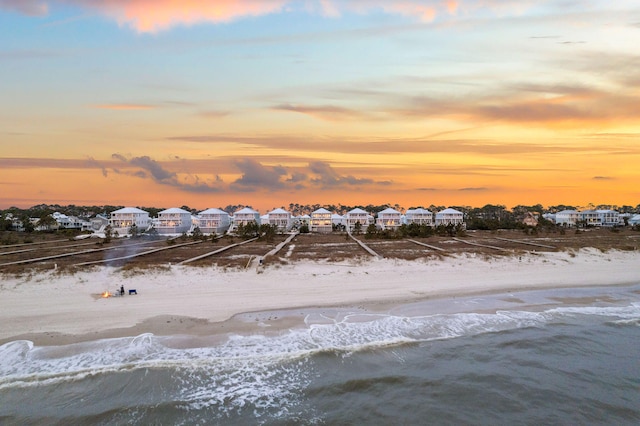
x,y
52,308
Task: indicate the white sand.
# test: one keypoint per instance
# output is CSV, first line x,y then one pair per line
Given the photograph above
x,y
55,303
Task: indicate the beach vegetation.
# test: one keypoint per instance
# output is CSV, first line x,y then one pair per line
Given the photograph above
x,y
357,228
304,228
108,233
134,231
197,234
267,232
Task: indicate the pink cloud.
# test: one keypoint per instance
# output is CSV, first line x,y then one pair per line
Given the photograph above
x,y
156,15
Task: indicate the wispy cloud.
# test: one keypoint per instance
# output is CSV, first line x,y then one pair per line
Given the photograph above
x,y
393,145
124,107
325,112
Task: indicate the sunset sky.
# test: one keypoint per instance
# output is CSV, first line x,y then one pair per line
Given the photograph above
x,y
208,103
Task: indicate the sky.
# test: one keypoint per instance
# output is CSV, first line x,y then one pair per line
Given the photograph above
x,y
208,103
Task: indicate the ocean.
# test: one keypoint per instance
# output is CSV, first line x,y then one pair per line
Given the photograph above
x,y
567,357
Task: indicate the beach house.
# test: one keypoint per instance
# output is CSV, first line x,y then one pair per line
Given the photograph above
x,y
419,216
449,217
634,220
321,221
389,219
245,216
281,219
357,216
173,221
606,218
338,221
567,218
122,220
213,221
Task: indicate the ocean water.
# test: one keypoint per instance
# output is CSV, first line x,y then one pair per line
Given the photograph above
x,y
569,357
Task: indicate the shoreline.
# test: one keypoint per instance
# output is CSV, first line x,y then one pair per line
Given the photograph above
x,y
55,309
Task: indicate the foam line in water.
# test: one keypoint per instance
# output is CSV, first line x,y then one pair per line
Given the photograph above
x,y
23,364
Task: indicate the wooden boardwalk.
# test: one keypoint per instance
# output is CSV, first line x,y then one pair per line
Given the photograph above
x,y
220,250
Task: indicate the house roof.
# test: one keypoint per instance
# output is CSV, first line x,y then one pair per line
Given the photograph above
x,y
129,210
418,211
357,211
567,212
175,210
246,210
336,216
279,211
213,211
449,211
321,210
389,210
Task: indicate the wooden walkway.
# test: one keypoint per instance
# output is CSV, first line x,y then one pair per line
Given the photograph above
x,y
220,250
525,242
483,245
58,256
428,246
365,247
131,256
258,260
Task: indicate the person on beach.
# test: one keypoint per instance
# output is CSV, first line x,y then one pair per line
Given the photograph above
x,y
121,290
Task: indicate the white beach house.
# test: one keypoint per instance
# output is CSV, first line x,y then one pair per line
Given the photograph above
x,y
338,220
244,217
305,219
281,219
173,221
607,218
634,220
567,218
321,221
122,220
357,216
213,221
419,216
389,219
449,217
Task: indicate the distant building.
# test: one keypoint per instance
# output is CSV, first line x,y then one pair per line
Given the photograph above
x,y
604,218
321,221
281,219
99,222
173,221
389,219
634,220
358,216
338,221
122,220
419,216
213,221
71,222
567,218
530,219
244,217
449,217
